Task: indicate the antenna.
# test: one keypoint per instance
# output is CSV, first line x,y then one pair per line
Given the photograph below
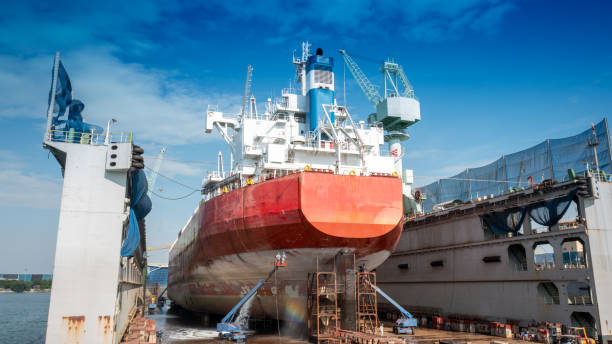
x,y
344,85
594,142
220,171
247,88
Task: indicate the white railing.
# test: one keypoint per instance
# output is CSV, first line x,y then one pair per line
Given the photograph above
x,y
546,266
289,90
71,136
549,300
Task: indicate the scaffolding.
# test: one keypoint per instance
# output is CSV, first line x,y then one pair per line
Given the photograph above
x,y
323,307
367,309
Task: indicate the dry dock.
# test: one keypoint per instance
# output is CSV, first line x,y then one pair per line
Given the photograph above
x,y
183,330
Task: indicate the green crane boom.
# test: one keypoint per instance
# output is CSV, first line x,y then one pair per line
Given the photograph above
x,y
367,87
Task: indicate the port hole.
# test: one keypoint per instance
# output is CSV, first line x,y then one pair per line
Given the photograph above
x,y
491,259
114,147
113,156
113,164
437,263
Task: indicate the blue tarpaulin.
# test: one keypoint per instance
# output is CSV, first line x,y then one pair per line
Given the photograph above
x,y
141,203
140,207
132,239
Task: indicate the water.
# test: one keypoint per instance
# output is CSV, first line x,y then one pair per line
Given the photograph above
x,y
187,329
23,320
177,329
23,317
243,316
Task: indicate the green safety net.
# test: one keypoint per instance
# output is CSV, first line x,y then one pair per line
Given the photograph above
x,y
550,159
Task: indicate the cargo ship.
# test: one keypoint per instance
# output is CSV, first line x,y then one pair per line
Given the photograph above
x,y
306,182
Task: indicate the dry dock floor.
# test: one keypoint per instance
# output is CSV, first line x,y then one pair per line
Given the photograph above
x,y
421,336
179,330
430,336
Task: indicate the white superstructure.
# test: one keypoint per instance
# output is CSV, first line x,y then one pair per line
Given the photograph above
x,y
305,129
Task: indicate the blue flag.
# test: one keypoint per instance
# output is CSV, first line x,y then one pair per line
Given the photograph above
x,y
63,94
65,105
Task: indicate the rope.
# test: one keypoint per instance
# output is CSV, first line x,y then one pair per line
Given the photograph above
x,y
173,180
174,199
181,160
276,302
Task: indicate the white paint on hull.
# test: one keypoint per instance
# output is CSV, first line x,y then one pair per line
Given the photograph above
x,y
218,286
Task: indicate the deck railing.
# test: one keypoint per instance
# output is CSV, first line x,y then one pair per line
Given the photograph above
x,y
72,136
579,300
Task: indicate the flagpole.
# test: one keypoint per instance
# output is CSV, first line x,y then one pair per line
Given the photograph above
x,y
52,100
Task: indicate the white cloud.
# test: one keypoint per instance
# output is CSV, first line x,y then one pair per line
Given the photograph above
x,y
426,20
424,153
444,20
10,161
21,188
24,84
172,168
29,190
148,102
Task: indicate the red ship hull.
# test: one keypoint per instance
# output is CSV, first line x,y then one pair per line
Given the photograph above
x,y
231,240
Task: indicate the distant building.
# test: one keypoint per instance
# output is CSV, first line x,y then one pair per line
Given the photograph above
x,y
26,277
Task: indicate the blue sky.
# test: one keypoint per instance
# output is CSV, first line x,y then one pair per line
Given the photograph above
x,y
493,77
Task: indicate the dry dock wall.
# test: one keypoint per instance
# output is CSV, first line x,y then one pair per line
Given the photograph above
x,y
599,217
440,268
88,281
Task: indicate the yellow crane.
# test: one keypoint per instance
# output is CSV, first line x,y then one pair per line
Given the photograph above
x,y
160,248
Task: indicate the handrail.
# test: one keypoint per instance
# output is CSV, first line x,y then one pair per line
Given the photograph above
x,y
98,139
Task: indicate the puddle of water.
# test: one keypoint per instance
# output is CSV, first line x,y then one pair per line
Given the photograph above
x,y
178,329
190,334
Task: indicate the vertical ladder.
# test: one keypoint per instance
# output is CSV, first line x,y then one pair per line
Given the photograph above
x,y
367,309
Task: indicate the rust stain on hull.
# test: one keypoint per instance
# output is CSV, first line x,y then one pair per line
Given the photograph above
x,y
74,328
104,327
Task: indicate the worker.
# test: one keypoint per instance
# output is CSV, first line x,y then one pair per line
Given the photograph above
x,y
382,329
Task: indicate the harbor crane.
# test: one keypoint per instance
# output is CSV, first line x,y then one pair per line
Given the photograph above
x,y
396,110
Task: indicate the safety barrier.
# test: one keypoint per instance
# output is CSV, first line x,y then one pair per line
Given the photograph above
x,y
72,136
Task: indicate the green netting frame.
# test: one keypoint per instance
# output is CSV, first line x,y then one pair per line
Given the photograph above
x,y
550,159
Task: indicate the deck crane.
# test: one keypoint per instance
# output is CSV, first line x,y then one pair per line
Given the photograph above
x,y
396,110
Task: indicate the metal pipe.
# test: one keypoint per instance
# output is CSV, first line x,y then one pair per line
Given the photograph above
x,y
52,100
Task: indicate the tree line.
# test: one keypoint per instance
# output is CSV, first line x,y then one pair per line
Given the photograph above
x,y
19,286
